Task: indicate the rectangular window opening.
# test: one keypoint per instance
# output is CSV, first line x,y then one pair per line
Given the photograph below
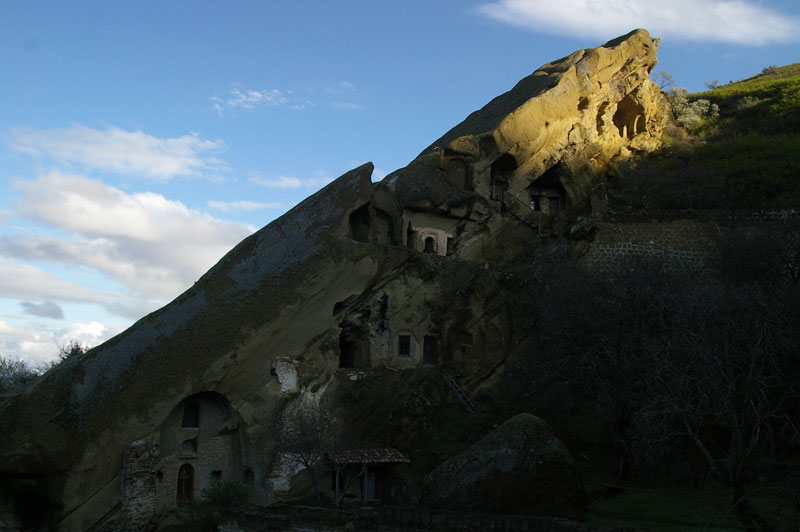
x,y
404,345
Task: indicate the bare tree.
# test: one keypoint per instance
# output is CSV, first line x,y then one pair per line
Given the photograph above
x,y
725,382
678,357
305,436
15,375
664,80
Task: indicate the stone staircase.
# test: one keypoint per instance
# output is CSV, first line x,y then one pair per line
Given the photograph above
x,y
512,205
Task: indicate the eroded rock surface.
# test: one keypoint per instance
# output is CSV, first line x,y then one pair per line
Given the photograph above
x,y
361,297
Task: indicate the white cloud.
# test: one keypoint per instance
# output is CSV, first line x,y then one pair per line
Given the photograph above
x,y
244,205
731,21
239,97
154,246
123,152
23,281
34,345
38,344
279,182
87,334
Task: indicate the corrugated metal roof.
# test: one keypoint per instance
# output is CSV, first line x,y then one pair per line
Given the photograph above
x,y
381,455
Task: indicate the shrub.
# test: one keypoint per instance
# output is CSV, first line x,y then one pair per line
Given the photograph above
x,y
72,349
204,514
15,375
690,114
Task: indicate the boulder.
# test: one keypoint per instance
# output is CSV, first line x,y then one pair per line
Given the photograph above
x,y
518,468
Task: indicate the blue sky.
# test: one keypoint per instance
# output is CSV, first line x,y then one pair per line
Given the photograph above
x,y
139,141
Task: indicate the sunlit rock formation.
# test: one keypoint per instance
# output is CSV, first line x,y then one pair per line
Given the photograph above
x,y
359,299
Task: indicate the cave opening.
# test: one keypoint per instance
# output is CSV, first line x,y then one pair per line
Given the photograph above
x,y
501,171
629,117
353,347
359,224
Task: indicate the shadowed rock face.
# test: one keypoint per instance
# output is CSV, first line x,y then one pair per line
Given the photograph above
x,y
519,467
358,277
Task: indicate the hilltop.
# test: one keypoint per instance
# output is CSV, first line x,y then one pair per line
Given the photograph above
x,y
744,158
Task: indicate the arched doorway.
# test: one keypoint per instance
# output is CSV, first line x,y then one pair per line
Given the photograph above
x,y
185,483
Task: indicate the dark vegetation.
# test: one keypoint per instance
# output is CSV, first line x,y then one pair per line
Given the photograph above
x,y
689,376
679,384
738,150
16,375
205,514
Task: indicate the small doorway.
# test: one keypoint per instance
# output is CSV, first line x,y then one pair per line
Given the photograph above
x,y
500,174
429,348
368,485
554,206
185,484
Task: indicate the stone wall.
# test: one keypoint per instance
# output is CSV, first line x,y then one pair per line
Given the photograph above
x,y
687,241
139,482
681,236
212,454
386,518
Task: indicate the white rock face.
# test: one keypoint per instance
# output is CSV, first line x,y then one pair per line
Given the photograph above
x,y
286,373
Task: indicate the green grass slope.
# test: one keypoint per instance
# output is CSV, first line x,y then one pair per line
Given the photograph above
x,y
748,157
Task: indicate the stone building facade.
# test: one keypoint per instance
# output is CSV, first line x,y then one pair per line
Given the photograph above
x,y
202,441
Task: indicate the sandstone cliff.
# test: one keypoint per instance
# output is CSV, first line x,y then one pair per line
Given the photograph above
x,y
361,296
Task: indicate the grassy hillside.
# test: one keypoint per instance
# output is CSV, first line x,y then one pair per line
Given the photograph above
x,y
747,157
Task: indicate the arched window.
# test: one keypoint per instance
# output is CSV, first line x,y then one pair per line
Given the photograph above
x,y
248,478
185,483
191,416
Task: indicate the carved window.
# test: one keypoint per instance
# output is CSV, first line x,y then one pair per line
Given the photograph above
x,y
191,416
404,345
430,245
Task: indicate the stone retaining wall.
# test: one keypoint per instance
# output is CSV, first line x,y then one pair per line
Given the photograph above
x,y
395,519
688,237
720,216
686,241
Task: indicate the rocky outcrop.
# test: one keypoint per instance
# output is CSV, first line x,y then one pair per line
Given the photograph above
x,y
569,118
358,297
518,468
